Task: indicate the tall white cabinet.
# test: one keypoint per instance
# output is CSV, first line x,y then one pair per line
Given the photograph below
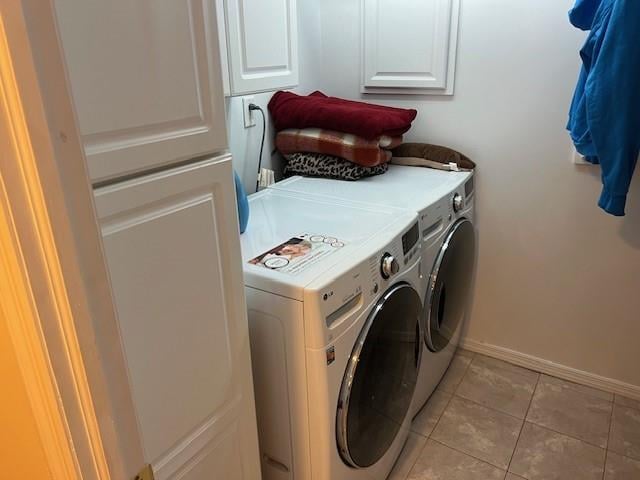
x,y
145,77
146,81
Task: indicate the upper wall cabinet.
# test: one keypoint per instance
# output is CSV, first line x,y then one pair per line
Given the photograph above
x,y
262,45
146,80
409,46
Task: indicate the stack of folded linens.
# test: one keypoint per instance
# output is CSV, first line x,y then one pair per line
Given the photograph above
x,y
336,138
431,156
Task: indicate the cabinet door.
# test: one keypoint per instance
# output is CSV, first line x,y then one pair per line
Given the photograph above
x,y
172,247
262,44
146,81
409,44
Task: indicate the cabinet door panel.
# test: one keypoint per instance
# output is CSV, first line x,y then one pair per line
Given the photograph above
x,y
408,43
263,44
172,249
146,81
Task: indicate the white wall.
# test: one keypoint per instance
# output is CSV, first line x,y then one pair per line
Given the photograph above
x,y
557,278
244,143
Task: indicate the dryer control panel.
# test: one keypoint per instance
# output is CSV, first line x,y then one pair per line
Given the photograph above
x,y
436,218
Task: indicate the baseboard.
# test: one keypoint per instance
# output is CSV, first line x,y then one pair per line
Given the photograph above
x,y
550,368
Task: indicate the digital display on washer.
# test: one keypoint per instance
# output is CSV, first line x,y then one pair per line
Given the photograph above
x,y
410,238
468,187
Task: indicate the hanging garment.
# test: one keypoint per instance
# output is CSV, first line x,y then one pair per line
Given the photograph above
x,y
604,120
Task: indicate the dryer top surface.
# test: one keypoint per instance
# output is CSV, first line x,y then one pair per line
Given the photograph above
x,y
410,188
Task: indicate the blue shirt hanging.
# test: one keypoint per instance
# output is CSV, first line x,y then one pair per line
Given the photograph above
x,y
604,120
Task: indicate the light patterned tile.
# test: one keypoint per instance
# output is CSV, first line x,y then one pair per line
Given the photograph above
x,y
439,462
545,455
456,371
426,420
478,431
624,437
559,406
408,456
627,402
511,476
621,468
594,392
498,385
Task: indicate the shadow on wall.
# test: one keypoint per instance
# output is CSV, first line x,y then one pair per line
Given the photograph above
x,y
471,301
630,227
629,224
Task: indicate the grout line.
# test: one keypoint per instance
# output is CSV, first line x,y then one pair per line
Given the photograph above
x,y
531,421
563,372
453,395
606,452
469,455
464,374
524,420
637,409
417,456
565,435
428,437
523,423
440,416
493,409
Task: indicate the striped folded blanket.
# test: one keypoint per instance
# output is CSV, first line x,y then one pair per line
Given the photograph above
x,y
367,153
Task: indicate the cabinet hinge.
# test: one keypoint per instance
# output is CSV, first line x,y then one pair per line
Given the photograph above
x,y
145,474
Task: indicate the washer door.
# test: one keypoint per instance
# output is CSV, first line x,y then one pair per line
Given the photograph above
x,y
449,286
380,379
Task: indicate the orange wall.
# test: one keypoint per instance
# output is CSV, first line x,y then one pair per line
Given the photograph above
x,y
21,452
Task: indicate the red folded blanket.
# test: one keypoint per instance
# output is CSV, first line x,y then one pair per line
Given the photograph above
x,y
366,120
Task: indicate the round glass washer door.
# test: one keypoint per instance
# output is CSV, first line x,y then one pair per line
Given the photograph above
x,y
449,286
380,378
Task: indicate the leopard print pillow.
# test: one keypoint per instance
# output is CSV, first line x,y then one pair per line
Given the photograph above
x,y
328,166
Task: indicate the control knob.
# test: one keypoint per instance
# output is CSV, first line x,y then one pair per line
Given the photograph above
x,y
458,202
388,266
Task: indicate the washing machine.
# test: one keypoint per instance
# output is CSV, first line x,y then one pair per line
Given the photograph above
x,y
444,202
334,316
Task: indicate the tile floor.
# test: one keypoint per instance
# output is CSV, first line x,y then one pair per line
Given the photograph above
x,y
492,420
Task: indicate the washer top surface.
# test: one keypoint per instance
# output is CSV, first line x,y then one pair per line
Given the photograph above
x,y
292,239
411,188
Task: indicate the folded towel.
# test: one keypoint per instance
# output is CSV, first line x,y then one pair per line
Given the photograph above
x,y
367,153
366,120
432,156
327,166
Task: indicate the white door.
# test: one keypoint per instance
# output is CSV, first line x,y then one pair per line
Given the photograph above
x,y
172,247
146,81
262,45
409,45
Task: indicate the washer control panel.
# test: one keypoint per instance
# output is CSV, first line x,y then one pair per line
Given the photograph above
x,y
389,266
345,295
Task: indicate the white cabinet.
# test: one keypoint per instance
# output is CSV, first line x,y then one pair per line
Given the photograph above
x,y
409,46
262,45
146,81
172,247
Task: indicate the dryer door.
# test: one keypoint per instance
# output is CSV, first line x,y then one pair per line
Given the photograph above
x,y
449,286
380,379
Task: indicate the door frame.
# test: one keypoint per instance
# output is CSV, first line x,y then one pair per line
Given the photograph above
x,y
56,295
